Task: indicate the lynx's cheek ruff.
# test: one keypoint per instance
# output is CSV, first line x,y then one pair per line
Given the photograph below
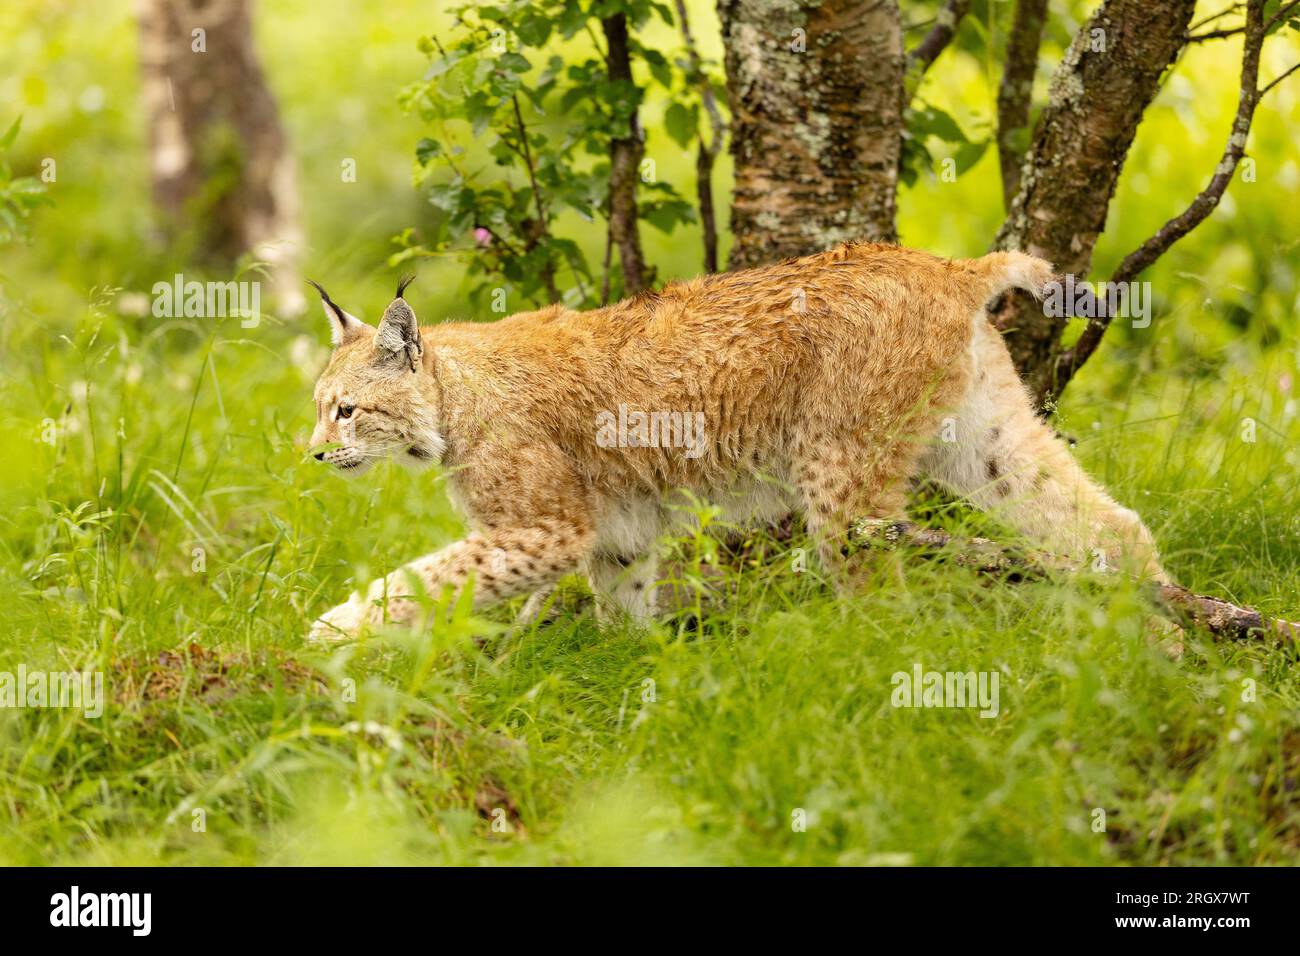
x,y
824,385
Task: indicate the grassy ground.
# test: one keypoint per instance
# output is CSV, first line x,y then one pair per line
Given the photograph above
x,y
160,523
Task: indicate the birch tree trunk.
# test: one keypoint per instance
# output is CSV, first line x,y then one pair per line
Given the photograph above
x,y
625,154
222,174
816,95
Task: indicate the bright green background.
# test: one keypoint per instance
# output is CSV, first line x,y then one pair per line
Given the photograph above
x,y
181,434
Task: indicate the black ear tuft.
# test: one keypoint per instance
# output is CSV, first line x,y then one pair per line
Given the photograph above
x,y
401,286
325,297
343,327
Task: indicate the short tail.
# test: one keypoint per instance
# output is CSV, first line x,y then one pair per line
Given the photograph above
x,y
999,271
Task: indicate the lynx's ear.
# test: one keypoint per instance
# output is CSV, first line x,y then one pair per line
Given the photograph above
x,y
344,328
398,336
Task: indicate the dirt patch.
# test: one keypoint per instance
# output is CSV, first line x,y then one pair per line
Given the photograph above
x,y
208,675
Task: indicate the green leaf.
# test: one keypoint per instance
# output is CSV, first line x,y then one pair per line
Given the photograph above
x,y
445,196
915,157
479,110
11,134
666,214
514,63
932,121
27,186
443,64
533,29
969,154
662,72
682,123
573,19
427,149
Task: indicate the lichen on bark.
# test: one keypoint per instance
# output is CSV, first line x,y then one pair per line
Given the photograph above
x,y
815,88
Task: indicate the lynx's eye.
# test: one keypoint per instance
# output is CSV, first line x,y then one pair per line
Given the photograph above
x,y
345,411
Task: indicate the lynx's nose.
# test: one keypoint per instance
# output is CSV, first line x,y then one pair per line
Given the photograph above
x,y
320,456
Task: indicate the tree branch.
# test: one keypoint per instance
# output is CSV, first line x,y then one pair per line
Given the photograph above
x,y
1228,11
1275,82
1015,94
1214,34
1139,259
542,230
933,43
1282,12
604,282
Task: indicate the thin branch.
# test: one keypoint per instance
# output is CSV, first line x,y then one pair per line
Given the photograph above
x,y
1015,94
704,196
933,43
604,282
1216,16
542,230
582,286
595,42
1284,75
716,121
708,150
1282,12
500,240
1215,34
528,158
1139,259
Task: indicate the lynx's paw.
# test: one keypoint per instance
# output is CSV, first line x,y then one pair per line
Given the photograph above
x,y
341,623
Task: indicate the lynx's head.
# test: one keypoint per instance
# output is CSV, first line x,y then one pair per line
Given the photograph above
x,y
375,399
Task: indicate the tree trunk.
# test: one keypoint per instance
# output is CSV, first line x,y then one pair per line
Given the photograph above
x,y
1109,75
816,95
625,154
223,178
1016,91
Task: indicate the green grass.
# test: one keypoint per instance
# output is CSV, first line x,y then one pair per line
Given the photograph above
x,y
174,535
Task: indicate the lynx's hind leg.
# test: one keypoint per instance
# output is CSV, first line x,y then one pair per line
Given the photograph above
x,y
1006,460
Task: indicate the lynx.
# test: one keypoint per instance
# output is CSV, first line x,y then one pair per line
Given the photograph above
x,y
822,385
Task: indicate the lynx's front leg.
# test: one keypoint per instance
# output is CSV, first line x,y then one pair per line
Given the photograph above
x,y
502,563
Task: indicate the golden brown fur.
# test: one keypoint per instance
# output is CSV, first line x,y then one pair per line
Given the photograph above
x,y
822,384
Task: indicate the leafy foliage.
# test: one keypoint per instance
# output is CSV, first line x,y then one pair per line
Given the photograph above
x,y
532,76
18,195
